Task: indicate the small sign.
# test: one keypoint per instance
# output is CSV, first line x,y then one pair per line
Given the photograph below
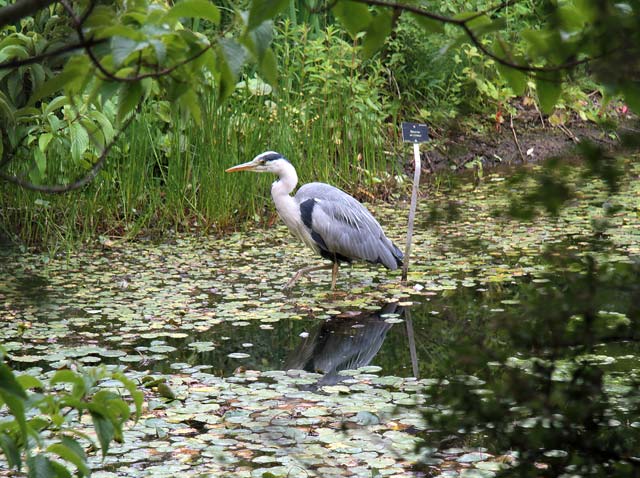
x,y
415,133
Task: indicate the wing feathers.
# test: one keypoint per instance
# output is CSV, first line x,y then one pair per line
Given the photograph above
x,y
343,228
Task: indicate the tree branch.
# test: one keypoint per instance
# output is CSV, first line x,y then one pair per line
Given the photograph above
x,y
412,9
87,43
464,25
20,9
37,58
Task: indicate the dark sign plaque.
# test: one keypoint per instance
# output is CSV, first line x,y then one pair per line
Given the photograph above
x,y
415,133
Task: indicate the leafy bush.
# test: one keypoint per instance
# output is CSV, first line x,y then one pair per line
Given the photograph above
x,y
40,429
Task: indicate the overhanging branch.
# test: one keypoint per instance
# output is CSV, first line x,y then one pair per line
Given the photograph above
x,y
49,54
463,23
87,43
20,9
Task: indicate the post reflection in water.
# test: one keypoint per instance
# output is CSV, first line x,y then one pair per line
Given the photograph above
x,y
347,343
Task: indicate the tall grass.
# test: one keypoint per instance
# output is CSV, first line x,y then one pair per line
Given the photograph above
x,y
327,118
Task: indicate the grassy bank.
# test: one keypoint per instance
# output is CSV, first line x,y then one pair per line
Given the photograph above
x,y
170,176
330,116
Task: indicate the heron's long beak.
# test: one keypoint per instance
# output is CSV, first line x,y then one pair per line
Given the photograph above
x,y
241,167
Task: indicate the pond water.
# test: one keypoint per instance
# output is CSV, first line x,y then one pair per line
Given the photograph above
x,y
209,315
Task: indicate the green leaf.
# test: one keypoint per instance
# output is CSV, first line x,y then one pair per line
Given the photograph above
x,y
38,76
631,92
39,423
13,52
355,17
9,384
207,60
43,141
6,109
129,97
105,125
29,381
11,451
80,68
539,41
190,102
53,85
27,112
269,67
14,396
40,467
259,39
160,49
194,9
122,47
120,30
104,430
56,103
111,405
231,57
263,10
377,32
68,376
41,161
483,24
17,409
136,395
489,26
572,19
79,141
70,450
429,24
101,15
165,391
60,470
548,93
516,79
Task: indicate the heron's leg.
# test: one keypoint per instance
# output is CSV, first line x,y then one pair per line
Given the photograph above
x,y
334,275
303,271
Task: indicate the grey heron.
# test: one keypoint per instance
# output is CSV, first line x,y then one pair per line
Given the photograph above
x,y
328,220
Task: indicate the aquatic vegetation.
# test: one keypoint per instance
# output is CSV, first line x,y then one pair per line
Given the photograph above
x,y
201,324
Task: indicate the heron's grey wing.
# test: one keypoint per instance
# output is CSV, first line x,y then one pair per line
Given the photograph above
x,y
343,227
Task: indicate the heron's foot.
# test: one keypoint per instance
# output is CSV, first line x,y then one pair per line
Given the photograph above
x,y
302,272
292,281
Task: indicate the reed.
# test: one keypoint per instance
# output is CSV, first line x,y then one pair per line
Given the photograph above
x,y
167,173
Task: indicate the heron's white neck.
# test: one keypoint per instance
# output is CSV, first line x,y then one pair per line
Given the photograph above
x,y
281,190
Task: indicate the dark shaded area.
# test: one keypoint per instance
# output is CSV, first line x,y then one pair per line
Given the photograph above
x,y
343,344
540,386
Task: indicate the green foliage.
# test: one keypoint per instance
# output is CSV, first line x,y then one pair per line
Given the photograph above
x,y
133,53
40,429
353,15
440,77
327,113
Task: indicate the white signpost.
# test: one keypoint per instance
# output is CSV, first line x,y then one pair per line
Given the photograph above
x,y
413,133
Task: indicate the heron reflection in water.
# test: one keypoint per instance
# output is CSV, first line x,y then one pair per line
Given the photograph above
x,y
343,344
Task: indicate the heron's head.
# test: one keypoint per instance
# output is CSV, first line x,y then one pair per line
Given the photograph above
x,y
267,162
